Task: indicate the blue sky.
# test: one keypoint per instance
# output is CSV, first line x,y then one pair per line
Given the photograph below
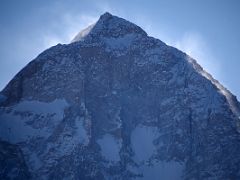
x,y
208,30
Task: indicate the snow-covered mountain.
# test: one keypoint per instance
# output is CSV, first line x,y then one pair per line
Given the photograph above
x,y
117,104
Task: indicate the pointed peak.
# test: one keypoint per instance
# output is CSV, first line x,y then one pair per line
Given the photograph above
x,y
109,25
106,15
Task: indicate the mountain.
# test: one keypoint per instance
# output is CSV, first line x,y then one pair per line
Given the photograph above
x,y
116,103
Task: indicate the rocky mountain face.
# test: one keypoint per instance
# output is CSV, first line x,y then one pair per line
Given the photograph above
x,y
117,104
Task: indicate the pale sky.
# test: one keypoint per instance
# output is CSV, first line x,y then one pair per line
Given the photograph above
x,y
208,30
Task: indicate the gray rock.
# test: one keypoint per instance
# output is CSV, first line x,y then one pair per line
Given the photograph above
x,y
118,104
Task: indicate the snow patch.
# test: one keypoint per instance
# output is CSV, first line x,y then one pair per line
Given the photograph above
x,y
17,125
162,170
70,138
14,129
114,92
142,142
81,133
110,147
57,106
119,43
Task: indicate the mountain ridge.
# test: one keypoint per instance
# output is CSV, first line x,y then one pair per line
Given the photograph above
x,y
104,18
118,104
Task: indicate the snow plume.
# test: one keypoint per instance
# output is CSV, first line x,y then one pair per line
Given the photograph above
x,y
224,91
195,46
71,25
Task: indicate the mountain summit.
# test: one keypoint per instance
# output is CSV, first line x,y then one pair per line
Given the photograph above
x,y
117,104
109,26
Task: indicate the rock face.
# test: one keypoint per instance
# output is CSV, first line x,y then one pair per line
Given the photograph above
x,y
12,162
117,104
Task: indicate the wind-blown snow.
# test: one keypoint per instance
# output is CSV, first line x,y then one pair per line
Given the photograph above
x,y
221,88
80,36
